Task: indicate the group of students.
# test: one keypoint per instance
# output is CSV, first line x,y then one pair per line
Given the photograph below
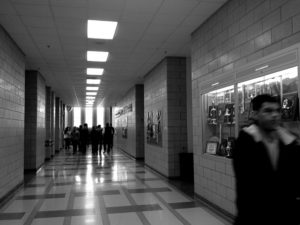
x,y
81,137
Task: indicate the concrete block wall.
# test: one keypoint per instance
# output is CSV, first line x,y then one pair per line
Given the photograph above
x,y
12,102
177,112
134,143
155,98
35,120
165,90
240,32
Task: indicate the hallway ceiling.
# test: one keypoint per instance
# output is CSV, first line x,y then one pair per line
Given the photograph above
x,y
53,36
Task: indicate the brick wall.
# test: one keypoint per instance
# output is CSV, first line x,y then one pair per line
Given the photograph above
x,y
155,98
238,33
12,100
165,90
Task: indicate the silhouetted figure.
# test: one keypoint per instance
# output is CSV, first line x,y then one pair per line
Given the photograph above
x,y
75,135
94,140
100,135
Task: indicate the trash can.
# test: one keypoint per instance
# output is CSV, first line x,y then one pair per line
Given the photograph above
x,y
48,149
186,163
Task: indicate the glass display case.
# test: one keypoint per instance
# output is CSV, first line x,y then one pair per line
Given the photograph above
x,y
283,85
219,131
222,122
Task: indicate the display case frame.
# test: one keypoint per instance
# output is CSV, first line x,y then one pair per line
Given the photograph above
x,y
276,62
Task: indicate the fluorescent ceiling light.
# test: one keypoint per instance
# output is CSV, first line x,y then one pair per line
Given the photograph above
x,y
101,29
92,88
94,71
93,81
97,56
90,97
91,93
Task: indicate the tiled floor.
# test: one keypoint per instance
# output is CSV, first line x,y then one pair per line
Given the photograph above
x,y
85,189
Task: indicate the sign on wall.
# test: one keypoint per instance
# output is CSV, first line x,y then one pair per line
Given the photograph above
x,y
154,127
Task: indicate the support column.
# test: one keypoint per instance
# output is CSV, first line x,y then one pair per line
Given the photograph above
x,y
35,115
53,122
57,124
82,115
70,116
48,150
94,116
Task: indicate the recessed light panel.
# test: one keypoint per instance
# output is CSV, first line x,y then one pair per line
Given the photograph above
x,y
92,88
90,97
94,71
91,93
93,81
97,56
98,29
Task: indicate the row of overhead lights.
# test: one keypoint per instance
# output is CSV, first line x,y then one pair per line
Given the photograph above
x,y
97,29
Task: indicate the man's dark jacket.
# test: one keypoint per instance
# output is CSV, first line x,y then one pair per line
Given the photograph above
x,y
266,195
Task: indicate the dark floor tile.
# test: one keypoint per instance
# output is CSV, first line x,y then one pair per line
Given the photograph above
x,y
147,190
11,216
132,208
184,205
65,213
47,196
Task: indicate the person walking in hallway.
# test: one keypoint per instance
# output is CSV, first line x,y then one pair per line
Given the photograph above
x,y
266,163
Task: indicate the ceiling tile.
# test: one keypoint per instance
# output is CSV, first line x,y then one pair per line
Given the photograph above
x,y
33,10
142,6
7,8
34,21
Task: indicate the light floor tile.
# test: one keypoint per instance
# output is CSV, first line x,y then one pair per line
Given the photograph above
x,y
145,198
21,206
173,196
86,202
199,216
32,191
156,183
59,189
86,220
162,217
48,221
54,204
125,218
115,200
133,184
11,222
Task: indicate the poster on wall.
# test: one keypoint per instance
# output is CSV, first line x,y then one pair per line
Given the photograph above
x,y
154,127
124,127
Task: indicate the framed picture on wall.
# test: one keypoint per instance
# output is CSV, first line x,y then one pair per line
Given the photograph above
x,y
211,147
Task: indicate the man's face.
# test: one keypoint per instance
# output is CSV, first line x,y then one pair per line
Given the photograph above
x,y
268,116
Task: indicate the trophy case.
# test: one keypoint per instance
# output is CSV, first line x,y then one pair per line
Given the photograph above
x,y
219,121
283,85
222,121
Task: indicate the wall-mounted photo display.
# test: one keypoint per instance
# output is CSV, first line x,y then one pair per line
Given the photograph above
x,y
154,127
124,126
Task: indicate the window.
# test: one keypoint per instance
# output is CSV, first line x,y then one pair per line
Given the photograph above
x,y
89,116
77,116
100,116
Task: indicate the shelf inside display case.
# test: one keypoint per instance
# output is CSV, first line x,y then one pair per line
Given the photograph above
x,y
220,120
